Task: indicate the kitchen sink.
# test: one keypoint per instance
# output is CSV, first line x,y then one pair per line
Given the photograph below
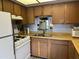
x,y
46,35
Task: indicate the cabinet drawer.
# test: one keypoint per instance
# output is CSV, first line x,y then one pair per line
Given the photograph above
x,y
60,42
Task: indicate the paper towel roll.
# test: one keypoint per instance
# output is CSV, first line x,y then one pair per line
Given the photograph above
x,y
28,31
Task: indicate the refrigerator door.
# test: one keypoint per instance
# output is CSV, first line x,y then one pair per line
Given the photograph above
x,y
6,48
5,24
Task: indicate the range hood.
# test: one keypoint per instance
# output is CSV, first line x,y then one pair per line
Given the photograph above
x,y
14,17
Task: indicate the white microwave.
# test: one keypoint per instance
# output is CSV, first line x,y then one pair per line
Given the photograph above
x,y
75,32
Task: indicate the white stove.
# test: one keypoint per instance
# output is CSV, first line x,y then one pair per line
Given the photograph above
x,y
22,48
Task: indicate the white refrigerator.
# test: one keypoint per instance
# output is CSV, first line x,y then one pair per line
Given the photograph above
x,y
6,36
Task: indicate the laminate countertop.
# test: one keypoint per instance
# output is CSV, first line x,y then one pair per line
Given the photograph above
x,y
62,36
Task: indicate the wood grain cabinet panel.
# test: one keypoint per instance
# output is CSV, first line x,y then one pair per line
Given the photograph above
x,y
53,49
17,9
24,15
71,51
58,13
38,11
0,5
76,55
34,47
39,47
72,13
58,50
30,15
47,10
43,44
8,6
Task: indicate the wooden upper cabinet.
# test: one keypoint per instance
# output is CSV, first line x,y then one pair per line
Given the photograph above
x,y
17,9
8,6
47,10
0,5
37,11
24,15
30,15
72,13
58,13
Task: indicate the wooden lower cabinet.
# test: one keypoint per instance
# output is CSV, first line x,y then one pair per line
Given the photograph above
x,y
39,47
71,51
53,49
34,47
58,50
76,55
43,48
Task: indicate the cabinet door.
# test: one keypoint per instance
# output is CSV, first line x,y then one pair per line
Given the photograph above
x,y
76,55
38,11
43,48
24,15
8,6
17,9
0,5
30,15
72,13
34,47
58,13
71,51
59,50
47,10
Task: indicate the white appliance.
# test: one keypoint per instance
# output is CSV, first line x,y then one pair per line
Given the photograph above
x,y
22,48
6,36
75,32
14,17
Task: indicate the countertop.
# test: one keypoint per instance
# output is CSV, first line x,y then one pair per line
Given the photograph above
x,y
62,36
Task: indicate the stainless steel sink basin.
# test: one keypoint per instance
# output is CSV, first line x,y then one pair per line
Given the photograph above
x,y
42,35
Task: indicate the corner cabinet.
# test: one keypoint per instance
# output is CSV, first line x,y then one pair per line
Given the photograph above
x,y
30,15
0,5
58,13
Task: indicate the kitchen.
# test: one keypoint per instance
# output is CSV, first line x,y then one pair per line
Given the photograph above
x,y
39,29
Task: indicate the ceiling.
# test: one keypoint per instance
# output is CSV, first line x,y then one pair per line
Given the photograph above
x,y
29,3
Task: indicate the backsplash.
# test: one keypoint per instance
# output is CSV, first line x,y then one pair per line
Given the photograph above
x,y
64,28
